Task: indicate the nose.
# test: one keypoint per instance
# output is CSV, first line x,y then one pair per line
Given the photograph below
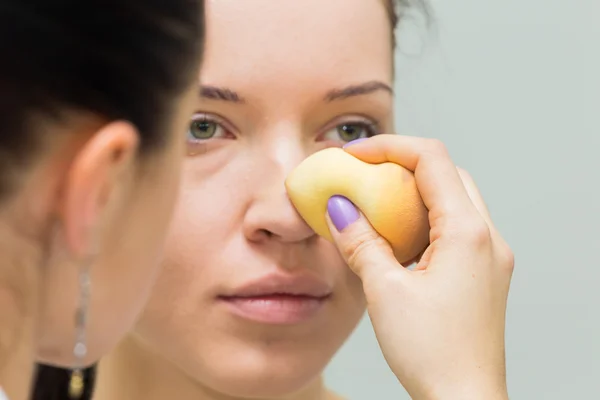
x,y
271,215
273,218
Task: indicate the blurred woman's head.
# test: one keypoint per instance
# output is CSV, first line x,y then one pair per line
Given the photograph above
x,y
95,97
251,303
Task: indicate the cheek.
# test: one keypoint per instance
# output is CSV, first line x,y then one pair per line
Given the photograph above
x,y
192,251
352,293
348,286
205,218
175,297
349,300
171,180
355,287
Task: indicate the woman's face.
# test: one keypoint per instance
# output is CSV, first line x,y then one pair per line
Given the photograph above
x,y
251,301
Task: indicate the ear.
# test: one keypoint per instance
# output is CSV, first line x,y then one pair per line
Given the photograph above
x,y
95,173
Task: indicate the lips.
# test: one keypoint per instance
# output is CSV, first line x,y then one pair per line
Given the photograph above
x,y
278,299
294,285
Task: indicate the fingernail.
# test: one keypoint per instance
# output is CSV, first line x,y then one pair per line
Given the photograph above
x,y
354,142
342,212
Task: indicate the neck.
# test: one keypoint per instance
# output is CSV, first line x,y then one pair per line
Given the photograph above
x,y
133,372
19,297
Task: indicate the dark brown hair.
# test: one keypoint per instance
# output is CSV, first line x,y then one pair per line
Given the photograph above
x,y
397,11
116,59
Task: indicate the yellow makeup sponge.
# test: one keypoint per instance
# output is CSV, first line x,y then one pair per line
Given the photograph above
x,y
385,193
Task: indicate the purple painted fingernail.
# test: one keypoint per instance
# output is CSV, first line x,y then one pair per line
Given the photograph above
x,y
354,142
342,212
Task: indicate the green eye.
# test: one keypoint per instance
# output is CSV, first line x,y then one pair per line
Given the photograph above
x,y
203,129
350,132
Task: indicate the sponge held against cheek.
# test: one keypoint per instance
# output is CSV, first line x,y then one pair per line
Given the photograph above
x,y
385,193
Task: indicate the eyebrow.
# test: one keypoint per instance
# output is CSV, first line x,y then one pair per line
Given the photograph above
x,y
219,93
358,90
225,94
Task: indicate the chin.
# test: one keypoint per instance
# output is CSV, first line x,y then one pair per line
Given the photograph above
x,y
238,383
251,374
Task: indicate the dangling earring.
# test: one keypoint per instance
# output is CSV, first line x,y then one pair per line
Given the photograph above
x,y
76,383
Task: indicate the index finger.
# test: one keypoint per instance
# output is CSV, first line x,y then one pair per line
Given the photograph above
x,y
437,178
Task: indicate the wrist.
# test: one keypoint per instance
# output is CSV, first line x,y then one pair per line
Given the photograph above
x,y
465,388
471,391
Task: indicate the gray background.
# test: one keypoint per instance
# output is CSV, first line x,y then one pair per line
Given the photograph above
x,y
512,87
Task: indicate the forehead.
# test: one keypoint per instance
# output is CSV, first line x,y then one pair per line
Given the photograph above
x,y
287,44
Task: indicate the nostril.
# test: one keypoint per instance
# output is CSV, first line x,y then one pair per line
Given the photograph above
x,y
266,233
273,218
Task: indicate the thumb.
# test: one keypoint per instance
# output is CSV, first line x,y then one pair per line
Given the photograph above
x,y
368,254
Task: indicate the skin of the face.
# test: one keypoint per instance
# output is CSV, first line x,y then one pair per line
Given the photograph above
x,y
125,201
281,80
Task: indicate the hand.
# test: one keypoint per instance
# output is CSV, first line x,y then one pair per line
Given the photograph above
x,y
440,326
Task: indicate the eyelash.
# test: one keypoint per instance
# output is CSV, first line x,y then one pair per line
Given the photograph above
x,y
207,118
371,127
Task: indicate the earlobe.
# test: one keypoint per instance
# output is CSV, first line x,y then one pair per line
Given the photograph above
x,y
92,178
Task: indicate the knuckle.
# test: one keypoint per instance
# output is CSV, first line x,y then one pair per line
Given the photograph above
x,y
506,257
435,147
359,245
476,232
